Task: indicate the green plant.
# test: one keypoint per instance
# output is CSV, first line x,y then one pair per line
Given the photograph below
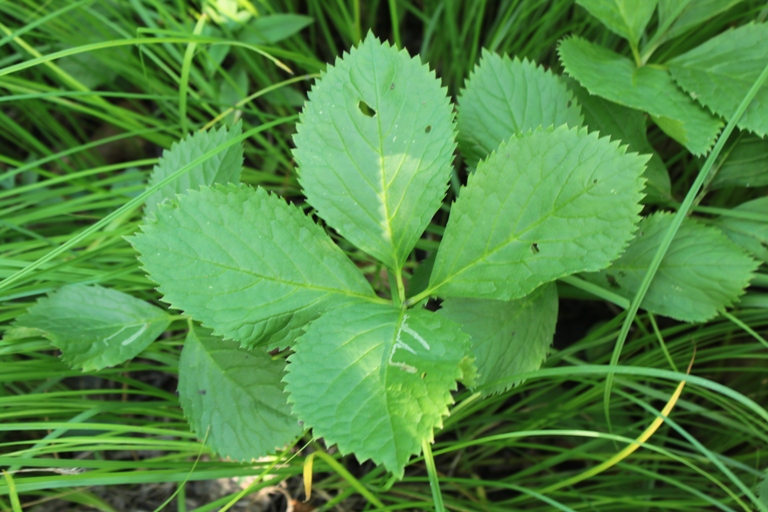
x,y
580,203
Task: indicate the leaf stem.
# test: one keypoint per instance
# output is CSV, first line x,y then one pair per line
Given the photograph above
x,y
636,54
394,288
660,35
434,483
358,33
395,23
682,212
400,286
419,297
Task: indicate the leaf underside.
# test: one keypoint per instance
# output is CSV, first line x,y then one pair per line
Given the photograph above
x,y
650,89
233,397
506,97
720,73
543,206
95,327
376,380
224,167
701,273
246,264
508,337
374,148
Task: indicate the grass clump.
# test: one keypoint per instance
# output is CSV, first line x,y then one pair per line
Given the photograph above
x,y
93,92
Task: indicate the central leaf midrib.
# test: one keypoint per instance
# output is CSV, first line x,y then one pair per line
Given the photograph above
x,y
155,320
228,377
281,281
387,367
382,177
506,242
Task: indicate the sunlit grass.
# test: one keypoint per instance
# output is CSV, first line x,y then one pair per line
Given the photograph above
x,y
77,147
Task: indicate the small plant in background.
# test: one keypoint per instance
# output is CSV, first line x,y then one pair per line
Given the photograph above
x,y
286,332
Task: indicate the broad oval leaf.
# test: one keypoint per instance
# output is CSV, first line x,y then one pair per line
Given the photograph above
x,y
626,18
234,398
508,337
628,126
506,97
223,167
374,148
747,226
543,206
646,88
701,273
95,327
720,73
246,264
376,380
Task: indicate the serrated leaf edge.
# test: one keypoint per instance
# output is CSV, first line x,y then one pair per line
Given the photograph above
x,y
170,204
710,142
331,439
742,287
621,148
339,63
201,436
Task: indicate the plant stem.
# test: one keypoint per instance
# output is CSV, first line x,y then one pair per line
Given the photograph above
x,y
395,287
358,35
434,483
400,286
419,297
636,54
395,23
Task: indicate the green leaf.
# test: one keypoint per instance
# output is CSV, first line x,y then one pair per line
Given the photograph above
x,y
744,165
274,28
224,167
506,97
543,206
374,149
628,126
246,264
647,88
95,327
508,337
626,18
751,234
233,398
376,380
701,273
720,73
683,15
